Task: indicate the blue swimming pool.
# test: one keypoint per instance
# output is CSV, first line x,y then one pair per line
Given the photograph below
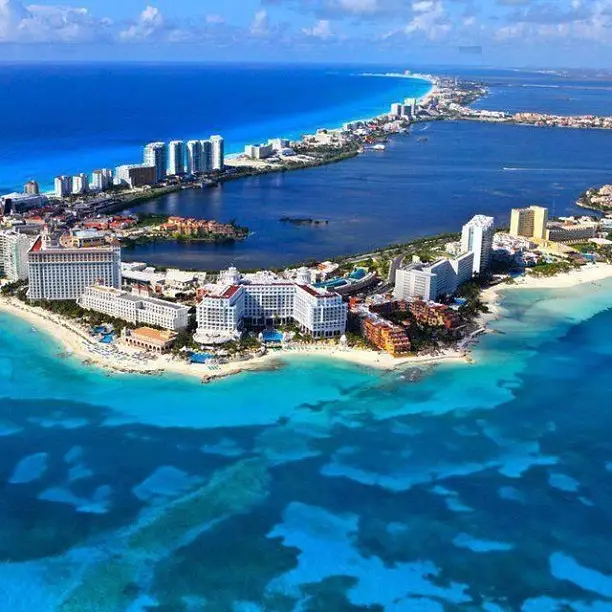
x,y
200,357
273,336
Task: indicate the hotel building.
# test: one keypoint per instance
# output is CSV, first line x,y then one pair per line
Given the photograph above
x,y
529,222
134,308
58,273
477,238
63,186
194,157
136,175
101,180
207,155
156,154
263,299
429,281
218,152
80,184
259,151
31,188
14,249
176,157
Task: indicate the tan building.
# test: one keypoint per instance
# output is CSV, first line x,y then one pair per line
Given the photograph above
x,y
149,339
571,233
529,222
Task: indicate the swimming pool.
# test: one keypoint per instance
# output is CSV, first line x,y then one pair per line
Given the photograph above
x,y
273,336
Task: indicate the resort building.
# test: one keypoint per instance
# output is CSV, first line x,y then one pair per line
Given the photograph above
x,y
31,188
259,151
136,175
63,186
434,315
101,180
477,237
262,300
386,336
529,222
134,308
80,184
148,339
218,152
194,157
279,144
58,273
21,202
156,154
429,281
14,249
176,157
207,155
571,233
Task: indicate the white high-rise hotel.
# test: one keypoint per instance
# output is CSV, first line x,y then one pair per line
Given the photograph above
x,y
443,277
477,237
14,249
218,152
176,157
264,299
156,154
58,273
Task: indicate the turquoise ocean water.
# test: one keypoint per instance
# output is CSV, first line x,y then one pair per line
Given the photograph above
x,y
317,486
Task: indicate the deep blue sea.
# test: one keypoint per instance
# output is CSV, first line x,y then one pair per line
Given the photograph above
x,y
65,119
317,486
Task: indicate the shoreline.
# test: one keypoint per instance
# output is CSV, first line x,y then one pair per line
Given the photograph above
x,y
77,344
589,274
47,189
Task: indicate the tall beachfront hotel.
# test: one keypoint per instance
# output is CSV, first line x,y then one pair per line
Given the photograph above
x,y
58,273
194,163
156,154
218,152
477,237
14,249
258,300
176,157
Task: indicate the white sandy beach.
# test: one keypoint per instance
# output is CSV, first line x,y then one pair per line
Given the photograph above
x,y
586,275
77,343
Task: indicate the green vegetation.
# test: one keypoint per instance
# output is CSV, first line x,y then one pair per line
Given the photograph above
x,y
552,269
151,219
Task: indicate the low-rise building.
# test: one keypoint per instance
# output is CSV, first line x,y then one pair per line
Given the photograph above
x,y
135,175
386,336
259,151
434,315
21,202
135,309
150,340
571,233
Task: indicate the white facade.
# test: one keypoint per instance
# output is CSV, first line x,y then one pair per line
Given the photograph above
x,y
259,151
80,184
278,144
63,186
477,237
156,154
176,157
20,202
64,273
135,309
194,157
428,282
14,249
218,152
101,180
264,299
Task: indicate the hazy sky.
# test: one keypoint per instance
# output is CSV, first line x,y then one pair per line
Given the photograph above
x,y
403,32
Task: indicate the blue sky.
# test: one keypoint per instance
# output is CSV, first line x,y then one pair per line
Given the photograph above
x,y
572,33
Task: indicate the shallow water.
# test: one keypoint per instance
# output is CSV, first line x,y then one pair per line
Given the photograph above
x,y
320,485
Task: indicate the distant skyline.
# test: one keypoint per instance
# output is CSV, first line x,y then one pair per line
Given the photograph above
x,y
543,33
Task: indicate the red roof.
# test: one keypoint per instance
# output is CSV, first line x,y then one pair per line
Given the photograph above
x,y
315,293
37,246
